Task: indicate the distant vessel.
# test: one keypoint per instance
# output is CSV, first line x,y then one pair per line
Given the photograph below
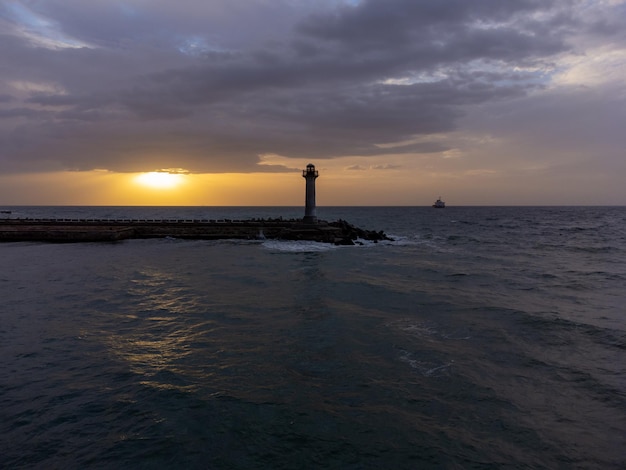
x,y
439,204
5,212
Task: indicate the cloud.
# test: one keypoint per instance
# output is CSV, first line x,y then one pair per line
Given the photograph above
x,y
387,166
214,86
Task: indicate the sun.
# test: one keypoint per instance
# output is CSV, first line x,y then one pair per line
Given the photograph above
x,y
160,179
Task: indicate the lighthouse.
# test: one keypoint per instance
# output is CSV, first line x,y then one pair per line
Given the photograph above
x,y
310,174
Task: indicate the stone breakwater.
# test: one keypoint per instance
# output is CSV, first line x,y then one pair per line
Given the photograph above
x,y
100,230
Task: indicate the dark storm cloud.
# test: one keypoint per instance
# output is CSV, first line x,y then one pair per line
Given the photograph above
x,y
407,24
211,86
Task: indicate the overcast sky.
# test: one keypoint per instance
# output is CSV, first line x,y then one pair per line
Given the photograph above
x,y
491,101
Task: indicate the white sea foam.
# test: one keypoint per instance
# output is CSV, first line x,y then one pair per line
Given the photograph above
x,y
415,240
426,368
428,331
306,246
297,246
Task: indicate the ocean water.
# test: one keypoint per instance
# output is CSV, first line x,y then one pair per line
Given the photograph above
x,y
481,338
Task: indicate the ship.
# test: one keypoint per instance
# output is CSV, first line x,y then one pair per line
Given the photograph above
x,y
439,204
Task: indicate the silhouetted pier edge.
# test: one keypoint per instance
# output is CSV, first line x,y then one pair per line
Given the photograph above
x,y
339,232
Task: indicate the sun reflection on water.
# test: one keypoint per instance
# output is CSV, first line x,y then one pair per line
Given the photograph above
x,y
159,339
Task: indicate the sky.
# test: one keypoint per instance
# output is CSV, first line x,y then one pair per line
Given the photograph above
x,y
396,102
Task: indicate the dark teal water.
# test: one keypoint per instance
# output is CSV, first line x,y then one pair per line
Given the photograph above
x,y
480,338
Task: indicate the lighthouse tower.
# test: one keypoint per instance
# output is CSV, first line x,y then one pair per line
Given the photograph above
x,y
309,211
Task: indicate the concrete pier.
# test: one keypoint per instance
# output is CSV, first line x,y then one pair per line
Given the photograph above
x,y
111,230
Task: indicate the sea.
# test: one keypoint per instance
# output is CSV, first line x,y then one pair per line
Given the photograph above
x,y
479,338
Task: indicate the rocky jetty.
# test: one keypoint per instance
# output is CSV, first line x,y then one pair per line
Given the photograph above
x,y
103,230
351,234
